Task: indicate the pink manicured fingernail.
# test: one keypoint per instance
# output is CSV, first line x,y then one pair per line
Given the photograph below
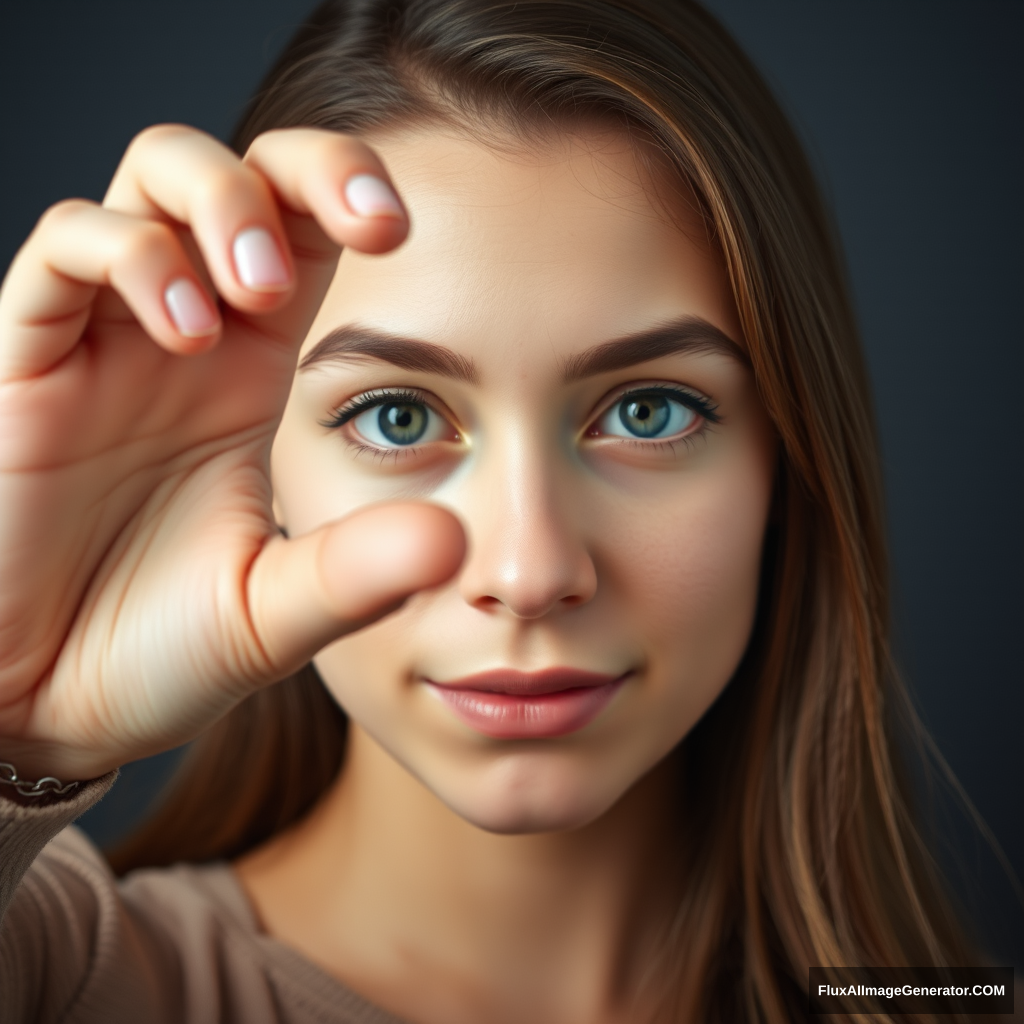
x,y
190,309
368,196
258,261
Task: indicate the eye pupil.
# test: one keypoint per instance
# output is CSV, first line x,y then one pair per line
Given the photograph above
x,y
402,423
645,416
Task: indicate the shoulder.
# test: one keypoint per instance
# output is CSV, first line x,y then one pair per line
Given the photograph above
x,y
161,945
80,945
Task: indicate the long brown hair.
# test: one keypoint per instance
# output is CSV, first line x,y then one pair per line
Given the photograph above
x,y
802,849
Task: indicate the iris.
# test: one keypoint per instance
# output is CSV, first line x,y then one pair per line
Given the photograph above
x,y
653,413
402,423
646,415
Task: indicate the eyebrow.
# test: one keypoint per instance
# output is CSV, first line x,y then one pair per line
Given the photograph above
x,y
352,342
689,334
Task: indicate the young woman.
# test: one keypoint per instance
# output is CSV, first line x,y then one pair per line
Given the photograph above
x,y
553,502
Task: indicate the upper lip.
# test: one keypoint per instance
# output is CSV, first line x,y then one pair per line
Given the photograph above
x,y
528,684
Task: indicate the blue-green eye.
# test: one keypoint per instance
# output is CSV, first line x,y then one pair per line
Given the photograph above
x,y
397,422
651,415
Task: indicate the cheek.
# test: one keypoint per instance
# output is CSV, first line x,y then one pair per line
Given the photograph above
x,y
688,573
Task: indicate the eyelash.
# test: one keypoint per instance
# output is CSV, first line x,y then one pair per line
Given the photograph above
x,y
694,401
691,399
369,400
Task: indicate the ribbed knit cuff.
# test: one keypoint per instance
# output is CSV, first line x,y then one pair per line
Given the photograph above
x,y
26,829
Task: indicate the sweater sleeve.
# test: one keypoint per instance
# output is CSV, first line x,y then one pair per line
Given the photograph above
x,y
78,946
51,893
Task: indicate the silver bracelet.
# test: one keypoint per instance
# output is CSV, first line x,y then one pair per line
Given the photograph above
x,y
47,784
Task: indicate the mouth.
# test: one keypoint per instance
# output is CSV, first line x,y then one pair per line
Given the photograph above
x,y
509,705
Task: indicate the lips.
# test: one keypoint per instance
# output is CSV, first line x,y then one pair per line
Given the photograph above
x,y
505,704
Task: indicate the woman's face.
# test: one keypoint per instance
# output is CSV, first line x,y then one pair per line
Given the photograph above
x,y
554,361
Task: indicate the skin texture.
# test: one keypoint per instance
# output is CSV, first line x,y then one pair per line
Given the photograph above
x,y
447,866
145,585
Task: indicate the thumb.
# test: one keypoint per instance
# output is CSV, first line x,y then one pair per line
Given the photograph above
x,y
306,592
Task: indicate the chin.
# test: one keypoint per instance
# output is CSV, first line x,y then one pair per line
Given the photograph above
x,y
513,798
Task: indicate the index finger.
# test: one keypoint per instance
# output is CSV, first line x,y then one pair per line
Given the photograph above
x,y
338,180
336,192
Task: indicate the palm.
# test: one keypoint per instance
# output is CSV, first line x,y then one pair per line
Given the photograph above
x,y
163,462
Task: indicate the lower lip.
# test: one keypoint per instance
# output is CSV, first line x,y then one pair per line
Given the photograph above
x,y
505,716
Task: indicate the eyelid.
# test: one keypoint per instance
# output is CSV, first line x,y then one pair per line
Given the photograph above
x,y
690,397
359,403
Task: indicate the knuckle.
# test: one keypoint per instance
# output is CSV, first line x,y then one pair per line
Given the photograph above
x,y
146,241
219,184
259,144
60,213
347,149
156,135
319,143
272,138
225,187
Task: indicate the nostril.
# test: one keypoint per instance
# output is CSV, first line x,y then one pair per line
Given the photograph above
x,y
528,568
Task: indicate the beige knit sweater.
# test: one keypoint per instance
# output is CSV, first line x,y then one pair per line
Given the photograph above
x,y
77,946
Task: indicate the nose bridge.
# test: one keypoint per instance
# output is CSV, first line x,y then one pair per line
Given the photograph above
x,y
527,552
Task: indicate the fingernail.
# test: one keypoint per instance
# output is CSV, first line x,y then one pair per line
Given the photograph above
x,y
258,261
368,196
190,309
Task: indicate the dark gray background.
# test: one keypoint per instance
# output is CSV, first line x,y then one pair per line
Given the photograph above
x,y
912,112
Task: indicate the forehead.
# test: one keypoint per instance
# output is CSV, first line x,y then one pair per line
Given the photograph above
x,y
556,245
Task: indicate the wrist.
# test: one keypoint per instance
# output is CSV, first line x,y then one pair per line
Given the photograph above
x,y
35,792
32,771
81,791
34,789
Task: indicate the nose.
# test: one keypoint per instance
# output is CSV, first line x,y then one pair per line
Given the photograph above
x,y
527,553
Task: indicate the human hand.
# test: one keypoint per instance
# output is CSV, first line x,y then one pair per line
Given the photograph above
x,y
144,586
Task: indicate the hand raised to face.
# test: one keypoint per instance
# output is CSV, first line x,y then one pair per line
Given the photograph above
x,y
144,587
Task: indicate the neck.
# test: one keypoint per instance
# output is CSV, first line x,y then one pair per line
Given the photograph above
x,y
437,920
